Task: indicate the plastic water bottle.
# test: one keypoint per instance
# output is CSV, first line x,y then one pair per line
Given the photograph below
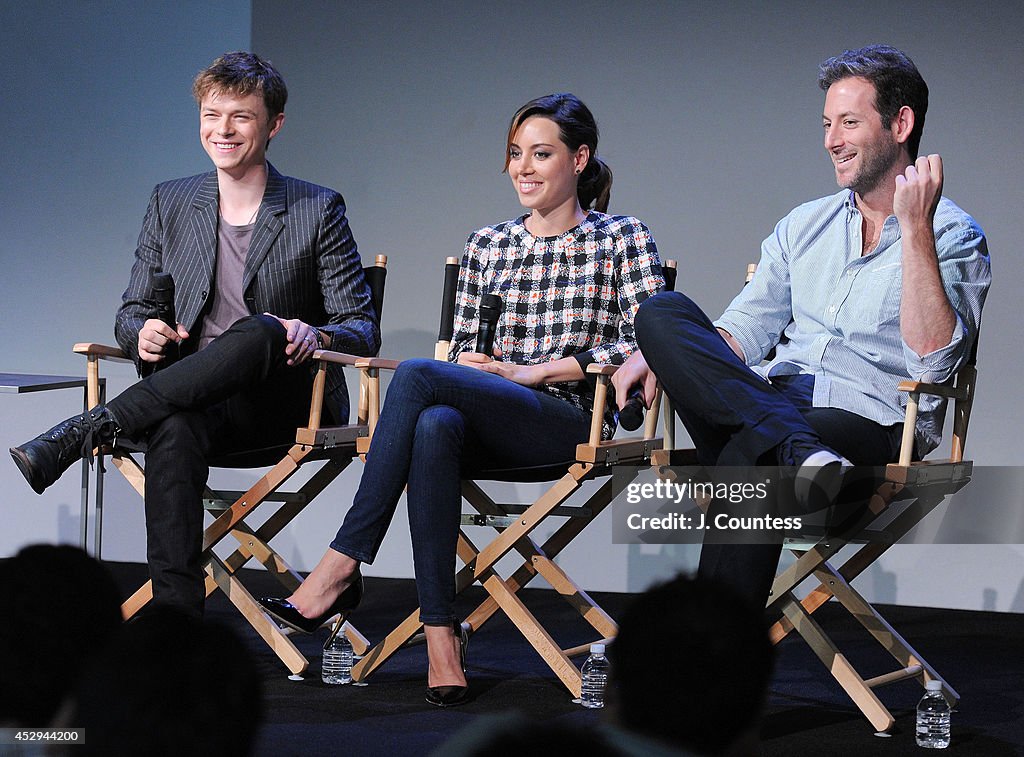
x,y
336,666
595,676
933,718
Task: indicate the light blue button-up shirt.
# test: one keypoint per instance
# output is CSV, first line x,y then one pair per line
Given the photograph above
x,y
839,311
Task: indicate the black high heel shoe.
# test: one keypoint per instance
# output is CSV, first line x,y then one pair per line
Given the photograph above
x,y
285,612
452,696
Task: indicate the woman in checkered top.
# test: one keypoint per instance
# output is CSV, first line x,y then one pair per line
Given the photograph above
x,y
571,279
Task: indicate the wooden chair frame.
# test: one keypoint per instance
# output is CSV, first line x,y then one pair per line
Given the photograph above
x,y
514,525
335,445
917,487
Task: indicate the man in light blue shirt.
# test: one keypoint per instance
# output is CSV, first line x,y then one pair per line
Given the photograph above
x,y
881,282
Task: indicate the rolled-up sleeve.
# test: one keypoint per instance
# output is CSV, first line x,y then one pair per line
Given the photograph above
x,y
966,275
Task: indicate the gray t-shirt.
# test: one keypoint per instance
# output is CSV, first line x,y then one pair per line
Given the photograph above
x,y
228,305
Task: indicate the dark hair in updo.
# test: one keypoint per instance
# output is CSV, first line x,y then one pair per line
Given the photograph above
x,y
576,127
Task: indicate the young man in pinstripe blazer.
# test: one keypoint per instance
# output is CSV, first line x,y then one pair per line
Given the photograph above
x,y
265,272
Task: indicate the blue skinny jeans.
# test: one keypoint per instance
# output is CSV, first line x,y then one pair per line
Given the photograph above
x,y
441,420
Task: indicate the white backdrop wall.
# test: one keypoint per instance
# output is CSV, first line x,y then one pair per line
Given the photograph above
x,y
710,121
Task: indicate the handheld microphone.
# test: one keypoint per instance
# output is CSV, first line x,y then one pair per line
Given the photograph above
x,y
489,311
163,296
631,416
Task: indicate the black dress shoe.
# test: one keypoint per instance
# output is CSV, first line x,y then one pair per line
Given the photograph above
x,y
452,696
285,612
447,696
43,460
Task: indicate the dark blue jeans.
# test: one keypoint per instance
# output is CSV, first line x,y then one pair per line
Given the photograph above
x,y
440,420
737,418
237,394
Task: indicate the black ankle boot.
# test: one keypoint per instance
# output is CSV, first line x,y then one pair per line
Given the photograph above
x,y
43,460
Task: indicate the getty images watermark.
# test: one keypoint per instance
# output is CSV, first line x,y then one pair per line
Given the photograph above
x,y
962,504
683,506
680,505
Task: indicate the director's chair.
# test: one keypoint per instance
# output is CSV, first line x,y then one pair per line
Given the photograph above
x,y
911,489
514,523
334,445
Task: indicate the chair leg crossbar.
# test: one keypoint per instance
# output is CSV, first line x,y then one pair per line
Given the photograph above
x,y
835,583
503,593
221,573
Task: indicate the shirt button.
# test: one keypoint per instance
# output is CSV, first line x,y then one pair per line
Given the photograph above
x,y
832,308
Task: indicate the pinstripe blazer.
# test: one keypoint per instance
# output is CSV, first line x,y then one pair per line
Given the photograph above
x,y
302,263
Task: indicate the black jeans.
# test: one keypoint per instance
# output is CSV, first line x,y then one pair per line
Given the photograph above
x,y
737,418
237,394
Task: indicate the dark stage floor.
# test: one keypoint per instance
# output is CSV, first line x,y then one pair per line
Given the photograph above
x,y
979,653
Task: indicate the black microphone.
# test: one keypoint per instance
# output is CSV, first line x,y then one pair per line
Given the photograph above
x,y
163,296
489,311
631,416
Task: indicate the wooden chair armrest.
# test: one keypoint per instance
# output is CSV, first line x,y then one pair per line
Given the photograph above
x,y
94,353
605,370
339,358
323,357
929,472
600,400
939,390
959,393
369,391
378,362
101,351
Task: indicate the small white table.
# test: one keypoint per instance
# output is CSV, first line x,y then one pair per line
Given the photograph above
x,y
23,383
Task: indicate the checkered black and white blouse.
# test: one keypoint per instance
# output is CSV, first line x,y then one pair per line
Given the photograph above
x,y
574,294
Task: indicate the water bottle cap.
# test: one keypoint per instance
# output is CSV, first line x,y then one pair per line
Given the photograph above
x,y
933,686
597,649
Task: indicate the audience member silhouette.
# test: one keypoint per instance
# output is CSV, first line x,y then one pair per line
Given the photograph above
x,y
169,684
60,606
690,668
